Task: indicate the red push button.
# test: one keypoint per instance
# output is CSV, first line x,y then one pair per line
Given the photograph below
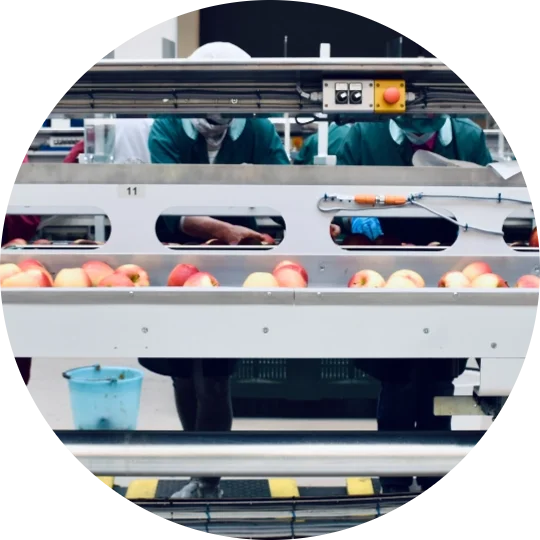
x,y
392,95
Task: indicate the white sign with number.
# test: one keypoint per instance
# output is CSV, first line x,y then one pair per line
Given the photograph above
x,y
131,191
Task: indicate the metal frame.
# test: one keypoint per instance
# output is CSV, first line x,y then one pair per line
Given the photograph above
x,y
243,454
252,86
431,323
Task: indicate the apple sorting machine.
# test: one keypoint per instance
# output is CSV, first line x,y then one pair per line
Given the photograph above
x,y
325,320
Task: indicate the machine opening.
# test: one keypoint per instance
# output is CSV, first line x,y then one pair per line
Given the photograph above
x,y
520,231
248,228
390,233
43,232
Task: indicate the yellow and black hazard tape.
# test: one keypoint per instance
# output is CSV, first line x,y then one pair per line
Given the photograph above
x,y
273,488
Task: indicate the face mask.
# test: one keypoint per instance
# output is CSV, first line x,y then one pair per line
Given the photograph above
x,y
420,125
420,139
218,120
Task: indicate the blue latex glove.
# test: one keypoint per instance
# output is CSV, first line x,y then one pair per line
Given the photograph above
x,y
370,227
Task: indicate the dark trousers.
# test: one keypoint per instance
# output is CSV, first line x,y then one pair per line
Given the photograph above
x,y
408,388
202,392
24,365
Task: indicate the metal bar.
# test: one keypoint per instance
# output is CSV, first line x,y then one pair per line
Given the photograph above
x,y
264,175
252,454
339,296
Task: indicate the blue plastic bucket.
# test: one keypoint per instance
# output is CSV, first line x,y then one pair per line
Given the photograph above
x,y
105,398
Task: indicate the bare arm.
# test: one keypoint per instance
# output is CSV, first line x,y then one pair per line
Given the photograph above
x,y
208,228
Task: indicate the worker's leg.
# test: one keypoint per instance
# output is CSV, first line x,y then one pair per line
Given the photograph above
x,y
435,377
182,372
185,398
24,365
214,413
396,409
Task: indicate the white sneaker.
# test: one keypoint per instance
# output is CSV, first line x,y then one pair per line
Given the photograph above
x,y
197,488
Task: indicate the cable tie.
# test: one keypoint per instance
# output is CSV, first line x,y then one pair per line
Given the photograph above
x,y
466,227
500,198
293,520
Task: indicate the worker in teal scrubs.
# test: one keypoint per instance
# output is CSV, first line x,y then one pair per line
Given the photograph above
x,y
310,148
202,386
213,140
393,143
408,386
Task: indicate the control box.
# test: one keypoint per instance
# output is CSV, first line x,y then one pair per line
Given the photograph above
x,y
369,96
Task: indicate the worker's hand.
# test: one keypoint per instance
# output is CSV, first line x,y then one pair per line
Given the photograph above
x,y
234,234
335,230
370,227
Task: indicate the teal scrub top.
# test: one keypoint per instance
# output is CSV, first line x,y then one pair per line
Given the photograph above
x,y
175,140
383,144
310,148
255,141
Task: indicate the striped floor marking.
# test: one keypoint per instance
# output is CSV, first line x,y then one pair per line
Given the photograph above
x,y
278,488
283,488
360,487
107,480
142,489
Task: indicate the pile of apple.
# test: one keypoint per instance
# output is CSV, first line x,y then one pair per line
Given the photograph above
x,y
285,274
45,242
31,273
478,275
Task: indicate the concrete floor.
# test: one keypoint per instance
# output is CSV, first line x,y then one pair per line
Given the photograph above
x,y
50,393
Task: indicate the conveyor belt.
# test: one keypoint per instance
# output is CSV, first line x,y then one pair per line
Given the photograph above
x,y
273,488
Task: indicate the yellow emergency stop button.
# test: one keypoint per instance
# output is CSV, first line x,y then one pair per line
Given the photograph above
x,y
390,96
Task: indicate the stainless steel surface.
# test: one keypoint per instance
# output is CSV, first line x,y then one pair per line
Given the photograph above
x,y
359,325
265,175
251,454
292,192
254,86
498,373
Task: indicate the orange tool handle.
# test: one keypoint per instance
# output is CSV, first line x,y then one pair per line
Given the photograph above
x,y
391,200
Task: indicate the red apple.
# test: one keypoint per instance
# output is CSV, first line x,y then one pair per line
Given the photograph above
x,y
16,242
180,273
473,270
528,281
32,278
135,273
116,279
489,281
7,270
201,279
454,280
533,240
366,279
415,277
289,277
72,277
97,270
400,282
27,264
45,279
261,280
293,266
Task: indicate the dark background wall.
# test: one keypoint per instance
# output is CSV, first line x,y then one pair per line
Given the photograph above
x,y
259,27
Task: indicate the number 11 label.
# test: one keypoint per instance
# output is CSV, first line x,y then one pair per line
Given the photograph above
x,y
131,191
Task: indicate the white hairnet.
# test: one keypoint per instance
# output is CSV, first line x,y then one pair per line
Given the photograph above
x,y
219,51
